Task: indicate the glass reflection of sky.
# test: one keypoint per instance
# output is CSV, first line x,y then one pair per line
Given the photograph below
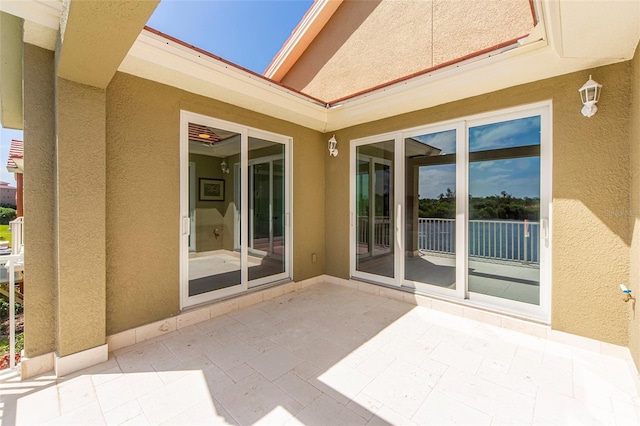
x,y
519,177
445,141
506,134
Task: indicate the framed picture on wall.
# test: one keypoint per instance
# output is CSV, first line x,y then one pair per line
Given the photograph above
x,y
211,189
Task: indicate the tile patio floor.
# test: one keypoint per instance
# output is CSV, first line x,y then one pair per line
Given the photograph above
x,y
331,355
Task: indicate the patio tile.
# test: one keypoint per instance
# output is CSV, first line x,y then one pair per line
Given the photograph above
x,y
123,413
240,372
326,411
251,399
75,393
386,416
205,412
402,386
36,407
87,415
561,409
457,357
322,353
228,357
171,399
439,409
410,351
275,363
330,355
487,397
341,382
297,388
127,388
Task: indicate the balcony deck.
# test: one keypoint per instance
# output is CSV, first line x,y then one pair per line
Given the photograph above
x,y
332,355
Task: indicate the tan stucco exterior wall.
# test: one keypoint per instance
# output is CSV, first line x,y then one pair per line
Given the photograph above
x,y
143,188
39,201
590,252
634,209
367,43
81,162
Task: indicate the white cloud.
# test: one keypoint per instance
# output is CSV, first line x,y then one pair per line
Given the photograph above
x,y
506,134
446,141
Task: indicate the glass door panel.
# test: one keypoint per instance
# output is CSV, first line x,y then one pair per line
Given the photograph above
x,y
430,210
374,201
504,210
267,202
214,263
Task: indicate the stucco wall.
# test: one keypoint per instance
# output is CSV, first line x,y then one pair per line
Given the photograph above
x,y
80,124
634,208
143,188
366,43
590,252
39,201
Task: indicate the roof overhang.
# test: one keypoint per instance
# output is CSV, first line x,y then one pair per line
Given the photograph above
x,y
10,71
312,23
570,36
550,50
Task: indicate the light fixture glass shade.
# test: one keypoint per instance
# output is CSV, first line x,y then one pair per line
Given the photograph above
x,y
224,167
333,151
590,95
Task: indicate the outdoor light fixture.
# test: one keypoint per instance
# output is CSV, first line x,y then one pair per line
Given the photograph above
x,y
590,95
224,167
333,151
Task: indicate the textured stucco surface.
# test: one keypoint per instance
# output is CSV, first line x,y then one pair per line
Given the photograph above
x,y
367,43
39,201
10,71
143,188
590,252
80,206
634,208
96,36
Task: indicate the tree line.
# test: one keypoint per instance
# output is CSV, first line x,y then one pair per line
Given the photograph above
x,y
503,207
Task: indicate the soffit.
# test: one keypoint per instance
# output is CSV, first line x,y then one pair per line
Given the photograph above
x,y
95,36
41,20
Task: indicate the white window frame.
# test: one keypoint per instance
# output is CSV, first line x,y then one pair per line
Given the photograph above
x,y
184,228
541,312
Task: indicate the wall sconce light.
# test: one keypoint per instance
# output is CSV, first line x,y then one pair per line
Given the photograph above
x,y
333,151
224,167
590,95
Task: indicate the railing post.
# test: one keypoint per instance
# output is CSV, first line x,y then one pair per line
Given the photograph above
x,y
12,316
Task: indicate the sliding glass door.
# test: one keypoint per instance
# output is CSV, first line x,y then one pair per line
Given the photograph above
x,y
235,207
373,209
476,199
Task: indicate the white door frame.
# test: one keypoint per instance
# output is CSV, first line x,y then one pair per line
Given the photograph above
x,y
245,132
192,204
461,125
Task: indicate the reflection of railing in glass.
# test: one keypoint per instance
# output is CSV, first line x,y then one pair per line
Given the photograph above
x,y
508,240
381,230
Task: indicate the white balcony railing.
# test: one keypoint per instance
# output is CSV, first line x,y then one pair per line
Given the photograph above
x,y
507,240
380,229
13,262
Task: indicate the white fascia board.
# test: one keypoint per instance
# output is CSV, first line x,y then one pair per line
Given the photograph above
x,y
526,64
155,58
42,12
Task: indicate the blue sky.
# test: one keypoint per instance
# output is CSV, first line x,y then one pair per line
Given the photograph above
x,y
247,33
5,143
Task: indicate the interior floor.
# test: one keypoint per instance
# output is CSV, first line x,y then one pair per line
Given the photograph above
x,y
215,270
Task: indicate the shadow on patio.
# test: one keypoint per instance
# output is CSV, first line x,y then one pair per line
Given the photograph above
x,y
331,355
